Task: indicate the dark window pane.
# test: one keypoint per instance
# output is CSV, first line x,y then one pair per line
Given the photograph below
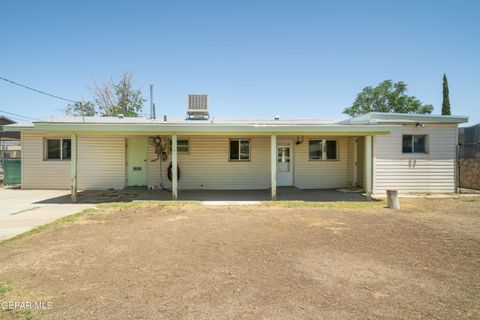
x,y
407,144
244,150
182,145
66,149
332,150
315,149
53,149
419,144
234,150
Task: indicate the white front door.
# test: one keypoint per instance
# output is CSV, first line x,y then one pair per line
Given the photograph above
x,y
284,163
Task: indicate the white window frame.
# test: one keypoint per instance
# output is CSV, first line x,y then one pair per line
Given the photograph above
x,y
324,150
240,140
426,147
45,149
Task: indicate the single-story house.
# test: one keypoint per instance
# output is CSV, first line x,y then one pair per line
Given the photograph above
x,y
377,151
9,141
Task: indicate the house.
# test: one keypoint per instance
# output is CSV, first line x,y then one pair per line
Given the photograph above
x,y
9,141
10,151
378,151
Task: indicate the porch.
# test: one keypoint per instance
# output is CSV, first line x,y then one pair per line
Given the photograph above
x,y
132,194
263,167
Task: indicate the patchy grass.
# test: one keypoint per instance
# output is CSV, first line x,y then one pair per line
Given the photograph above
x,y
374,204
147,204
279,260
75,217
52,225
4,288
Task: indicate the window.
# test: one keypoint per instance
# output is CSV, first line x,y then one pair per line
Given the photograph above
x,y
414,144
322,150
315,151
58,149
182,146
239,149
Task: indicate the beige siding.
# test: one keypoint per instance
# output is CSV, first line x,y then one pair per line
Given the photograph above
x,y
101,162
411,173
321,174
206,165
39,173
350,160
361,161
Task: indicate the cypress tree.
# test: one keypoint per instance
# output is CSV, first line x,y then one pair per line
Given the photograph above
x,y
446,98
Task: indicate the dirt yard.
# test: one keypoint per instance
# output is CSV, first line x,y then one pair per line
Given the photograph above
x,y
191,261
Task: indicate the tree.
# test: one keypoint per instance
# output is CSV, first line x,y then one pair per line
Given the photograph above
x,y
81,108
110,99
113,98
387,97
446,98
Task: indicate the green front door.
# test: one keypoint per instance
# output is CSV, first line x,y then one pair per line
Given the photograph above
x,y
136,162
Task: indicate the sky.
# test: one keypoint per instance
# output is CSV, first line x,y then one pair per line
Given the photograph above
x,y
255,59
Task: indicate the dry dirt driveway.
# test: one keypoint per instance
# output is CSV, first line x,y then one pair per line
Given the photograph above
x,y
253,262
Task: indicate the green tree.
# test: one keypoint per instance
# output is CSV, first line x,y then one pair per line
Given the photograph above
x,y
446,99
114,98
387,97
81,108
111,99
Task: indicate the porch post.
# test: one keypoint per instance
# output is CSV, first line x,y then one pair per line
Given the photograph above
x,y
73,168
174,168
273,165
368,167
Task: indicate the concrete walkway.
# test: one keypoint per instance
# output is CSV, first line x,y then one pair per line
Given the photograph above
x,y
23,210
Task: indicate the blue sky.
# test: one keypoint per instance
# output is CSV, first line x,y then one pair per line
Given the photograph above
x,y
253,58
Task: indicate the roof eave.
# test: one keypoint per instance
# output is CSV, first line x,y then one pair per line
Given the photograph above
x,y
212,129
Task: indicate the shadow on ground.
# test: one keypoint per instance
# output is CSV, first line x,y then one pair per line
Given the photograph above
x,y
142,194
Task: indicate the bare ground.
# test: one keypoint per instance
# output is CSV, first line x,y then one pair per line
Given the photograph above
x,y
253,262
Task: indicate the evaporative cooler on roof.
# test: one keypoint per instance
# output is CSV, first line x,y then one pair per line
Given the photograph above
x,y
198,107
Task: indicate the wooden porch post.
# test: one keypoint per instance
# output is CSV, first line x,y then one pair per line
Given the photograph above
x,y
273,165
73,168
174,168
368,167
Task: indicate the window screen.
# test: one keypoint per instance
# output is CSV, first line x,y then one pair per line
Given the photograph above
x,y
239,149
414,144
58,149
331,146
53,150
315,149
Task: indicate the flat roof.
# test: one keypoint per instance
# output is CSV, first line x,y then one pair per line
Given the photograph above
x,y
385,117
371,123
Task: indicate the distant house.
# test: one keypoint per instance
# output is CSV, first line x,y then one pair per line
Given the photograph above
x,y
377,151
9,141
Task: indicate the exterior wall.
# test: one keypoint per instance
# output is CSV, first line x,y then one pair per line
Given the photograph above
x,y
416,173
321,174
351,161
361,161
206,165
100,162
38,173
